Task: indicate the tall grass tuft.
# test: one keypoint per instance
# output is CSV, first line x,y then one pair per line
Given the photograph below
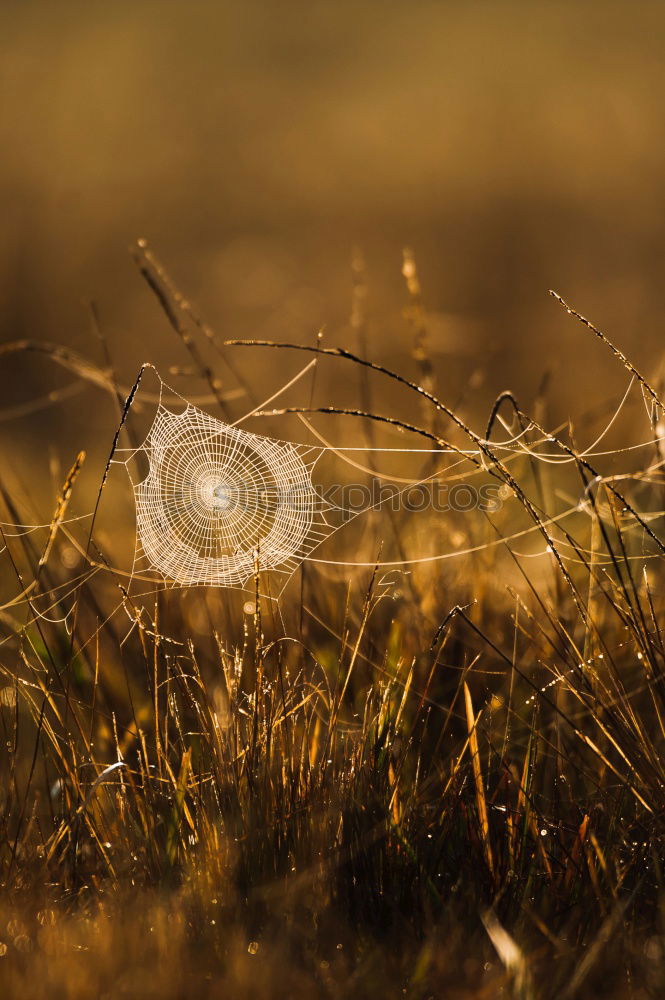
x,y
446,784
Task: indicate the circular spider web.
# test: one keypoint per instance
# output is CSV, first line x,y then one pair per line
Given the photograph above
x,y
218,502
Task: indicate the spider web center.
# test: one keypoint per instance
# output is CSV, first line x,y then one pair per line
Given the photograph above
x,y
215,495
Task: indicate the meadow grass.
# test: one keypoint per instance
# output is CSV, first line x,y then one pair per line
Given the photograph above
x,y
450,786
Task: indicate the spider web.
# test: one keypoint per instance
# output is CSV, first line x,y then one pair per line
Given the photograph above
x,y
219,504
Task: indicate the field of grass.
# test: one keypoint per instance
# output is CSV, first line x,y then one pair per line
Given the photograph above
x,y
443,778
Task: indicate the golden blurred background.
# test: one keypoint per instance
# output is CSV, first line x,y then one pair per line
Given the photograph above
x,y
514,146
